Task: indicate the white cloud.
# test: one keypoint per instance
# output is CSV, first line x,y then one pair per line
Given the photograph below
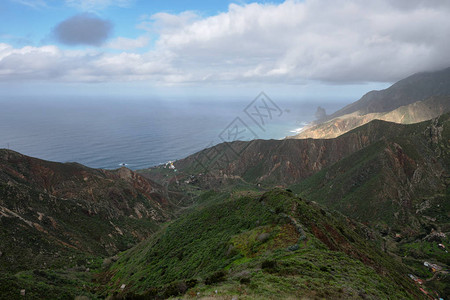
x,y
51,63
324,40
315,39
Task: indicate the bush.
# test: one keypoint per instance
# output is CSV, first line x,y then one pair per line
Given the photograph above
x,y
268,264
150,293
245,280
175,289
294,247
216,277
191,283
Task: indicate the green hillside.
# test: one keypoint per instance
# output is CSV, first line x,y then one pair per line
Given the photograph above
x,y
259,246
401,186
58,222
390,177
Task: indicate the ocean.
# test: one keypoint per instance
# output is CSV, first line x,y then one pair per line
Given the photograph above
x,y
105,133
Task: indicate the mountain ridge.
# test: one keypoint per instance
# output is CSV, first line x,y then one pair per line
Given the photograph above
x,y
392,177
414,99
413,159
265,244
414,88
408,114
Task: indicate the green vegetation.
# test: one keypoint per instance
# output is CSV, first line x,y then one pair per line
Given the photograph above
x,y
344,184
390,178
64,283
243,245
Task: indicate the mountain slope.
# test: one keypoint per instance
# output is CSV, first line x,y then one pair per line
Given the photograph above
x,y
259,246
277,162
414,88
417,98
401,186
51,211
285,162
413,113
398,173
391,178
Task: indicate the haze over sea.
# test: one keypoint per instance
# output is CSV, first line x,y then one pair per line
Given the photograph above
x,y
104,133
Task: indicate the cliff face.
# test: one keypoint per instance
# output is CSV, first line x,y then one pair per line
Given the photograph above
x,y
48,210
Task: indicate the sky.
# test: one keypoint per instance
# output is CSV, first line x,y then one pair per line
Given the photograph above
x,y
309,48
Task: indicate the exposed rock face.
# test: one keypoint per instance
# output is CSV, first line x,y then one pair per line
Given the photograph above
x,y
64,207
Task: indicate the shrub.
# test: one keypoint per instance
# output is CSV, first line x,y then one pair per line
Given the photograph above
x,y
175,289
245,280
268,264
191,283
216,277
294,247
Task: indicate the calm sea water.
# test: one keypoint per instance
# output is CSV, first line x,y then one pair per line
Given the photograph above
x,y
104,133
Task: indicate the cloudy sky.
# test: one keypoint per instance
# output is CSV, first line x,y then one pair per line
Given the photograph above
x,y
329,47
